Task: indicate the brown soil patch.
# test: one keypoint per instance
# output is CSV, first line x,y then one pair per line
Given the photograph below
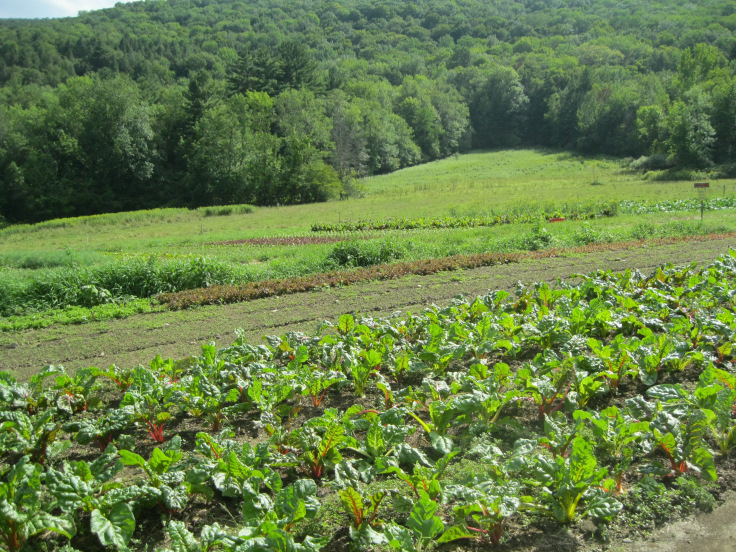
x,y
294,240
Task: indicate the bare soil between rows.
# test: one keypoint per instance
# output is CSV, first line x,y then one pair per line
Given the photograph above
x,y
179,334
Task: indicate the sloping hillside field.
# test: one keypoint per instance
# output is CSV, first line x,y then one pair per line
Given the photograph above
x,y
573,415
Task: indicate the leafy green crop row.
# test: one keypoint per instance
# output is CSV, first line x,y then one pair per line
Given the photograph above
x,y
563,399
582,212
629,207
76,315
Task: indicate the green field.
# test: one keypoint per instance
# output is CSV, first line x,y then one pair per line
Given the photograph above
x,y
614,392
128,256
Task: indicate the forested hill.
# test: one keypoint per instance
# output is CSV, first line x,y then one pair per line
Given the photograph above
x,y
193,102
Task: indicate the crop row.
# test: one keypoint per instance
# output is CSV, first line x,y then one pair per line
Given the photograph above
x,y
601,209
584,212
293,240
558,400
628,207
269,288
224,294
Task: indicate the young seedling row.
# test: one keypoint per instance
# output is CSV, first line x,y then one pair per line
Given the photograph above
x,y
471,421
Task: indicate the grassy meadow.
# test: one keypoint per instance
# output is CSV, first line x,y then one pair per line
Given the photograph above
x,y
71,270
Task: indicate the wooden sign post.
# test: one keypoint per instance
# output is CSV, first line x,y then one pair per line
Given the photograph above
x,y
702,188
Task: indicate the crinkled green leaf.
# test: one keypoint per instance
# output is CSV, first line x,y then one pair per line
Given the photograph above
x,y
603,507
457,532
422,518
116,528
441,443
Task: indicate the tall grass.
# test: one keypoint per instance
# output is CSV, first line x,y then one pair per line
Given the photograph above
x,y
110,282
141,218
33,260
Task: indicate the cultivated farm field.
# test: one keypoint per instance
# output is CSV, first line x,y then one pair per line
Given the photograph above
x,y
110,266
579,413
505,418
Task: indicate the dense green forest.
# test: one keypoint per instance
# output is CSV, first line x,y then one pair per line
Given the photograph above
x,y
201,102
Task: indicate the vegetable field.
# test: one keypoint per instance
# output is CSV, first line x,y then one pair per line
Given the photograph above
x,y
583,407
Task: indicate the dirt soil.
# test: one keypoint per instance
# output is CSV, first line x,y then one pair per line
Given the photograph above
x,y
714,532
178,334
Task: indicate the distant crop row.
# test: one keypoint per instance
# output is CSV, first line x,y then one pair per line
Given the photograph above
x,y
293,240
269,288
628,207
584,212
224,294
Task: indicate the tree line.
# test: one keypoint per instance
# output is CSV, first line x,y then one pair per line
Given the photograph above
x,y
203,102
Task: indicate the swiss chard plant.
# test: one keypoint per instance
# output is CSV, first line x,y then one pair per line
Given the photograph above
x,y
425,481
617,434
317,447
152,402
93,489
316,382
363,512
166,483
366,365
32,396
488,390
658,353
77,393
483,510
716,393
682,442
617,359
269,521
567,481
34,435
548,380
202,398
101,430
211,537
23,511
422,528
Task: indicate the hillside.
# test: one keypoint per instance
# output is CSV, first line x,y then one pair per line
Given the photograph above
x,y
189,103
